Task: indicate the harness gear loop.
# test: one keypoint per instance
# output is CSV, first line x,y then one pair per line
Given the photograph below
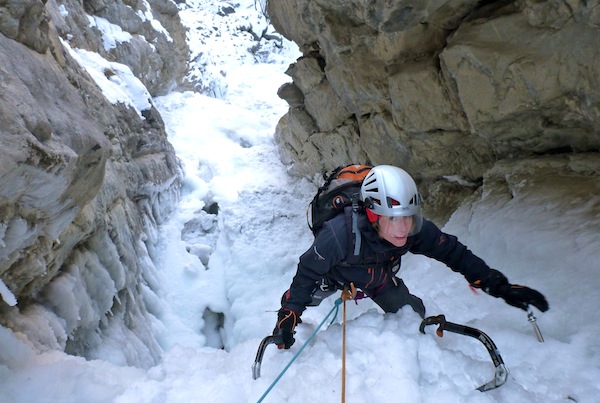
x,y
346,295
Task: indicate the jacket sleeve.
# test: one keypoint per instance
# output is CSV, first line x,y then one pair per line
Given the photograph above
x,y
446,248
327,250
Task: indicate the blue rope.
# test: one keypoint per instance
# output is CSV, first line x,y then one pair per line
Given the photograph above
x,y
335,308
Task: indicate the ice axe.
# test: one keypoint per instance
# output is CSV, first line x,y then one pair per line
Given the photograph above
x,y
501,370
259,355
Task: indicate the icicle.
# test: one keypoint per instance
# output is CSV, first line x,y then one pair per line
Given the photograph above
x,y
7,296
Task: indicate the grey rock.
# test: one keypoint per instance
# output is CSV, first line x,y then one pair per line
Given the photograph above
x,y
441,88
83,182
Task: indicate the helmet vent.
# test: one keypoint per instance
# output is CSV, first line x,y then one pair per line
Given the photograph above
x,y
370,180
392,202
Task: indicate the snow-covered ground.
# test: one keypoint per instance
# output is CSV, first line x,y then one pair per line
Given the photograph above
x,y
221,277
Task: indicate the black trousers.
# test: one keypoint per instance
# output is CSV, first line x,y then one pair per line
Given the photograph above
x,y
395,295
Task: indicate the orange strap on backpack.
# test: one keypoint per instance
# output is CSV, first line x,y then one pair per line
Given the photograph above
x,y
354,172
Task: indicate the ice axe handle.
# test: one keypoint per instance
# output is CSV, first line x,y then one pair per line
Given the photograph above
x,y
531,318
434,320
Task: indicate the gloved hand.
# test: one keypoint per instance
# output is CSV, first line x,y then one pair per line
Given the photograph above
x,y
497,285
284,330
521,296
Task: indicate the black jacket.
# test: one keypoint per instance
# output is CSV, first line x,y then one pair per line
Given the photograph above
x,y
331,256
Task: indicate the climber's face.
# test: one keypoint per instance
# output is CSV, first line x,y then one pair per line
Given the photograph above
x,y
395,230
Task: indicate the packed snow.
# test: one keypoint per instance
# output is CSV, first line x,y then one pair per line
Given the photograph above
x,y
230,250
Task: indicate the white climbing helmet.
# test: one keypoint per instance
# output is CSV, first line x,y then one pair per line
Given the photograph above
x,y
390,191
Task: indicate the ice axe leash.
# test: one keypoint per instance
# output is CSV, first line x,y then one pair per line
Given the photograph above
x,y
268,340
501,370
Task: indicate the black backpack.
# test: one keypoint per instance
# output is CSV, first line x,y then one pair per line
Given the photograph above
x,y
339,193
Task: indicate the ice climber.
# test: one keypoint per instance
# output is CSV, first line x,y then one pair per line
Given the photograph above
x,y
390,225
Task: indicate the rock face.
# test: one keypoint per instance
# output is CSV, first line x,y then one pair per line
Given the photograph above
x,y
83,182
445,89
157,56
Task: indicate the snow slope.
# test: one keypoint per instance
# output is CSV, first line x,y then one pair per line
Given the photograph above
x,y
220,276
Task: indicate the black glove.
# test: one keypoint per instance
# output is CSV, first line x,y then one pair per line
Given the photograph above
x,y
284,330
497,285
521,296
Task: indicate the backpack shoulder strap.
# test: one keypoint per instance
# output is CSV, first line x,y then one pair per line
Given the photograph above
x,y
355,230
354,236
